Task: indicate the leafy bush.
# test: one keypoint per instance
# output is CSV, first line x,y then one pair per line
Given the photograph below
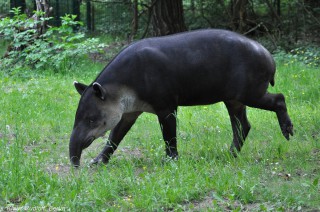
x,y
309,55
58,48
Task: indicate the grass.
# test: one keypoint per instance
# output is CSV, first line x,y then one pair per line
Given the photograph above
x,y
36,118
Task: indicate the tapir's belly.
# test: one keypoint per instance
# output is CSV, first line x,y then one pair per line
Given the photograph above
x,y
201,99
203,87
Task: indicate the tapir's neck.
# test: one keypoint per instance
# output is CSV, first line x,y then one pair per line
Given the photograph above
x,y
130,102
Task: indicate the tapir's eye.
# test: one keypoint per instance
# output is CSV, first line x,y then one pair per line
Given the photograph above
x,y
91,122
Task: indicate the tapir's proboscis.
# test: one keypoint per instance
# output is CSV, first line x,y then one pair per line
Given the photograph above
x,y
156,75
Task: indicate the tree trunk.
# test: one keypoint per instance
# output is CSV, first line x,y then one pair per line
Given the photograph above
x,y
278,6
43,6
18,3
167,17
135,19
239,14
57,13
76,9
275,12
90,16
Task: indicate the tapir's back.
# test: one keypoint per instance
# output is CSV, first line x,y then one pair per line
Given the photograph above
x,y
190,46
198,67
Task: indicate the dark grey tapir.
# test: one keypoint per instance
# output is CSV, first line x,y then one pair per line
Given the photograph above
x,y
157,75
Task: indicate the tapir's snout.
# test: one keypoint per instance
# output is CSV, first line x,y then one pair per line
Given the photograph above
x,y
75,161
75,150
80,139
76,146
88,142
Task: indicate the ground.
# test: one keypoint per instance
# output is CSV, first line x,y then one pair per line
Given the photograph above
x,y
270,174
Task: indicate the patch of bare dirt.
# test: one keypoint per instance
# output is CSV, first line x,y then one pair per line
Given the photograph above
x,y
9,134
129,152
59,169
215,203
315,153
63,169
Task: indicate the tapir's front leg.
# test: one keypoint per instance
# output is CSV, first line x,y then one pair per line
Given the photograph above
x,y
115,137
168,124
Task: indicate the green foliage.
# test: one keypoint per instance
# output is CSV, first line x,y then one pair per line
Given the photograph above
x,y
58,48
114,18
4,7
309,55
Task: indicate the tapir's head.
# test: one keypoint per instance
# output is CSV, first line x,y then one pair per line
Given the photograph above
x,y
98,111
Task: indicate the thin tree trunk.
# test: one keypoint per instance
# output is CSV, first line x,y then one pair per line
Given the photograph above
x,y
239,14
19,3
167,17
42,5
274,12
135,20
76,9
89,15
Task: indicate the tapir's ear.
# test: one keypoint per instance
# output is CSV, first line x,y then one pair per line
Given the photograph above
x,y
79,87
100,91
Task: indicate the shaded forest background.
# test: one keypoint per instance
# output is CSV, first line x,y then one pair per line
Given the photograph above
x,y
278,23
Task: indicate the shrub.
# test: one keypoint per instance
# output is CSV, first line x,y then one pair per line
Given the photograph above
x,y
309,55
58,48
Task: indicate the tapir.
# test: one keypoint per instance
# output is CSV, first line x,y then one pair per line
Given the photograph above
x,y
156,75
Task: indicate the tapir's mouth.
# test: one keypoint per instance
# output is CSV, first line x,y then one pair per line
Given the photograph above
x,y
88,142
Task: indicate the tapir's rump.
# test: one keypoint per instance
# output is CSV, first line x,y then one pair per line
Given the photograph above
x,y
159,74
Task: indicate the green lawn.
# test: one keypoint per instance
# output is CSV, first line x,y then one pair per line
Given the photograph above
x,y
36,119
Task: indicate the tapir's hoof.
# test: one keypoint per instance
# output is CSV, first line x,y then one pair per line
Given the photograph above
x,y
171,157
168,160
98,160
287,130
93,162
234,152
176,157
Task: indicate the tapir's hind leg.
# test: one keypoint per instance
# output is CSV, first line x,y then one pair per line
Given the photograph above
x,y
276,103
240,124
115,137
168,124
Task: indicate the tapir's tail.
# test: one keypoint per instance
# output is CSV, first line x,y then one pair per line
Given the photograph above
x,y
272,81
273,71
